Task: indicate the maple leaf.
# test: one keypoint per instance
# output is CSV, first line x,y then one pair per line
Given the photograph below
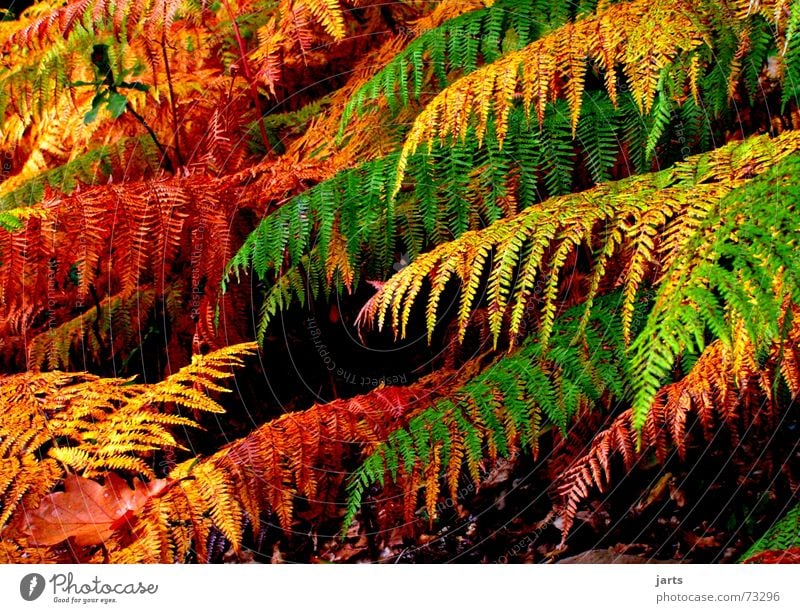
x,y
88,511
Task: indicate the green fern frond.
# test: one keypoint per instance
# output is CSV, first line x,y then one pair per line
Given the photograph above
x,y
459,46
607,219
658,51
599,135
292,122
450,189
353,203
785,534
790,59
731,269
509,405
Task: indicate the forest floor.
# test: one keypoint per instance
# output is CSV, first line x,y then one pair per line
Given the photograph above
x,y
693,511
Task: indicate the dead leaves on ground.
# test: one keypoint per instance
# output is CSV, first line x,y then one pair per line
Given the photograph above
x,y
87,511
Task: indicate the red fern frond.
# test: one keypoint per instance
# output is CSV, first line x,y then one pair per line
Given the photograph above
x,y
265,472
726,388
781,556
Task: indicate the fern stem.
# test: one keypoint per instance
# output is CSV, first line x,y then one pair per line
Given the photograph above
x,y
168,72
166,162
247,74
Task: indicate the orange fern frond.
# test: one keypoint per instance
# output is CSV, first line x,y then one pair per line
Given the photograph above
x,y
725,389
264,472
54,422
124,16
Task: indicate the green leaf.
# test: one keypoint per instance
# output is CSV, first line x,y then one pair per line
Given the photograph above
x,y
91,115
116,104
142,87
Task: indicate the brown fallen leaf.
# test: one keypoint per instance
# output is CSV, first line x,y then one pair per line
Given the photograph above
x,y
655,494
88,511
609,556
701,542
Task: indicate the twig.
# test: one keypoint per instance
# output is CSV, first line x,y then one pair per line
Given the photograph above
x,y
247,74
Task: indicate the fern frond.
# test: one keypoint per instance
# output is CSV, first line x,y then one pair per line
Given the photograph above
x,y
622,209
783,536
123,19
514,158
115,325
329,14
449,190
730,270
292,123
263,472
639,38
598,134
505,408
148,229
457,46
729,387
95,167
53,422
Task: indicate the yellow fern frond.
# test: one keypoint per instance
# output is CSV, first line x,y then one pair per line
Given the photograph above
x,y
214,490
93,425
262,472
328,13
640,38
630,213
